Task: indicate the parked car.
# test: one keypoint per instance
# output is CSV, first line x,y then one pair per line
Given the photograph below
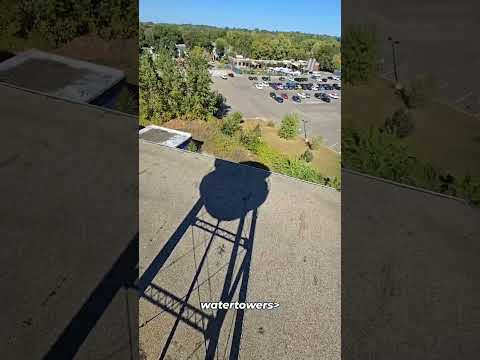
x,y
281,78
272,94
324,97
283,95
328,87
324,80
334,96
330,78
254,78
250,78
307,95
337,87
302,95
266,78
259,86
296,98
278,99
231,74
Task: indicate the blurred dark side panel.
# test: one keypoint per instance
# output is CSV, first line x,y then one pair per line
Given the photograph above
x,y
411,180
69,179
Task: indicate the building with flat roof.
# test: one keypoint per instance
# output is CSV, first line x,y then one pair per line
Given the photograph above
x,y
240,63
165,136
61,76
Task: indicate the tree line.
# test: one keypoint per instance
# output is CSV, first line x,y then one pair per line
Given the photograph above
x,y
51,23
256,44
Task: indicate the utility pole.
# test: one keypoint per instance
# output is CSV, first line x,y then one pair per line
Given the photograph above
x,y
305,128
393,43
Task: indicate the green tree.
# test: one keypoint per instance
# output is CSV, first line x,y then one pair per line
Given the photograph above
x,y
289,126
200,100
324,53
221,46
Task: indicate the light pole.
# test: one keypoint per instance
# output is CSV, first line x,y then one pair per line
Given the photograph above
x,y
305,128
393,43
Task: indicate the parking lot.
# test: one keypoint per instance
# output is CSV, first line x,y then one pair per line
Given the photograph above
x,y
322,119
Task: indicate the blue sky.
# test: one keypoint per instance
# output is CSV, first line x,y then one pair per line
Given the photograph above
x,y
313,16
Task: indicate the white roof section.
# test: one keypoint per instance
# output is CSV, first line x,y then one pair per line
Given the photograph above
x,y
59,76
165,136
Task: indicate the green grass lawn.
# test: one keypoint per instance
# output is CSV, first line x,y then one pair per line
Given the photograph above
x,y
446,138
326,161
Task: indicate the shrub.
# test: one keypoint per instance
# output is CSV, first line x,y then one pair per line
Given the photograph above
x,y
192,147
400,124
289,127
307,156
231,124
251,138
419,92
316,142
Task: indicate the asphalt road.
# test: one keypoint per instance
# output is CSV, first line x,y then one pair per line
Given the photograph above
x,y
323,119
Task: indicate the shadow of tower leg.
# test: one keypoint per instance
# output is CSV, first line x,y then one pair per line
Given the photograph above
x,y
157,263
242,297
229,288
189,293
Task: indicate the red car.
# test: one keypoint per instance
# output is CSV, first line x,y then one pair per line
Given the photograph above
x,y
285,96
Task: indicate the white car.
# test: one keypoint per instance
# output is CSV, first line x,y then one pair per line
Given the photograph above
x,y
259,86
334,96
224,77
264,84
302,95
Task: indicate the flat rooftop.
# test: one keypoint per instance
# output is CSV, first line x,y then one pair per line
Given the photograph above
x,y
58,75
262,237
164,136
